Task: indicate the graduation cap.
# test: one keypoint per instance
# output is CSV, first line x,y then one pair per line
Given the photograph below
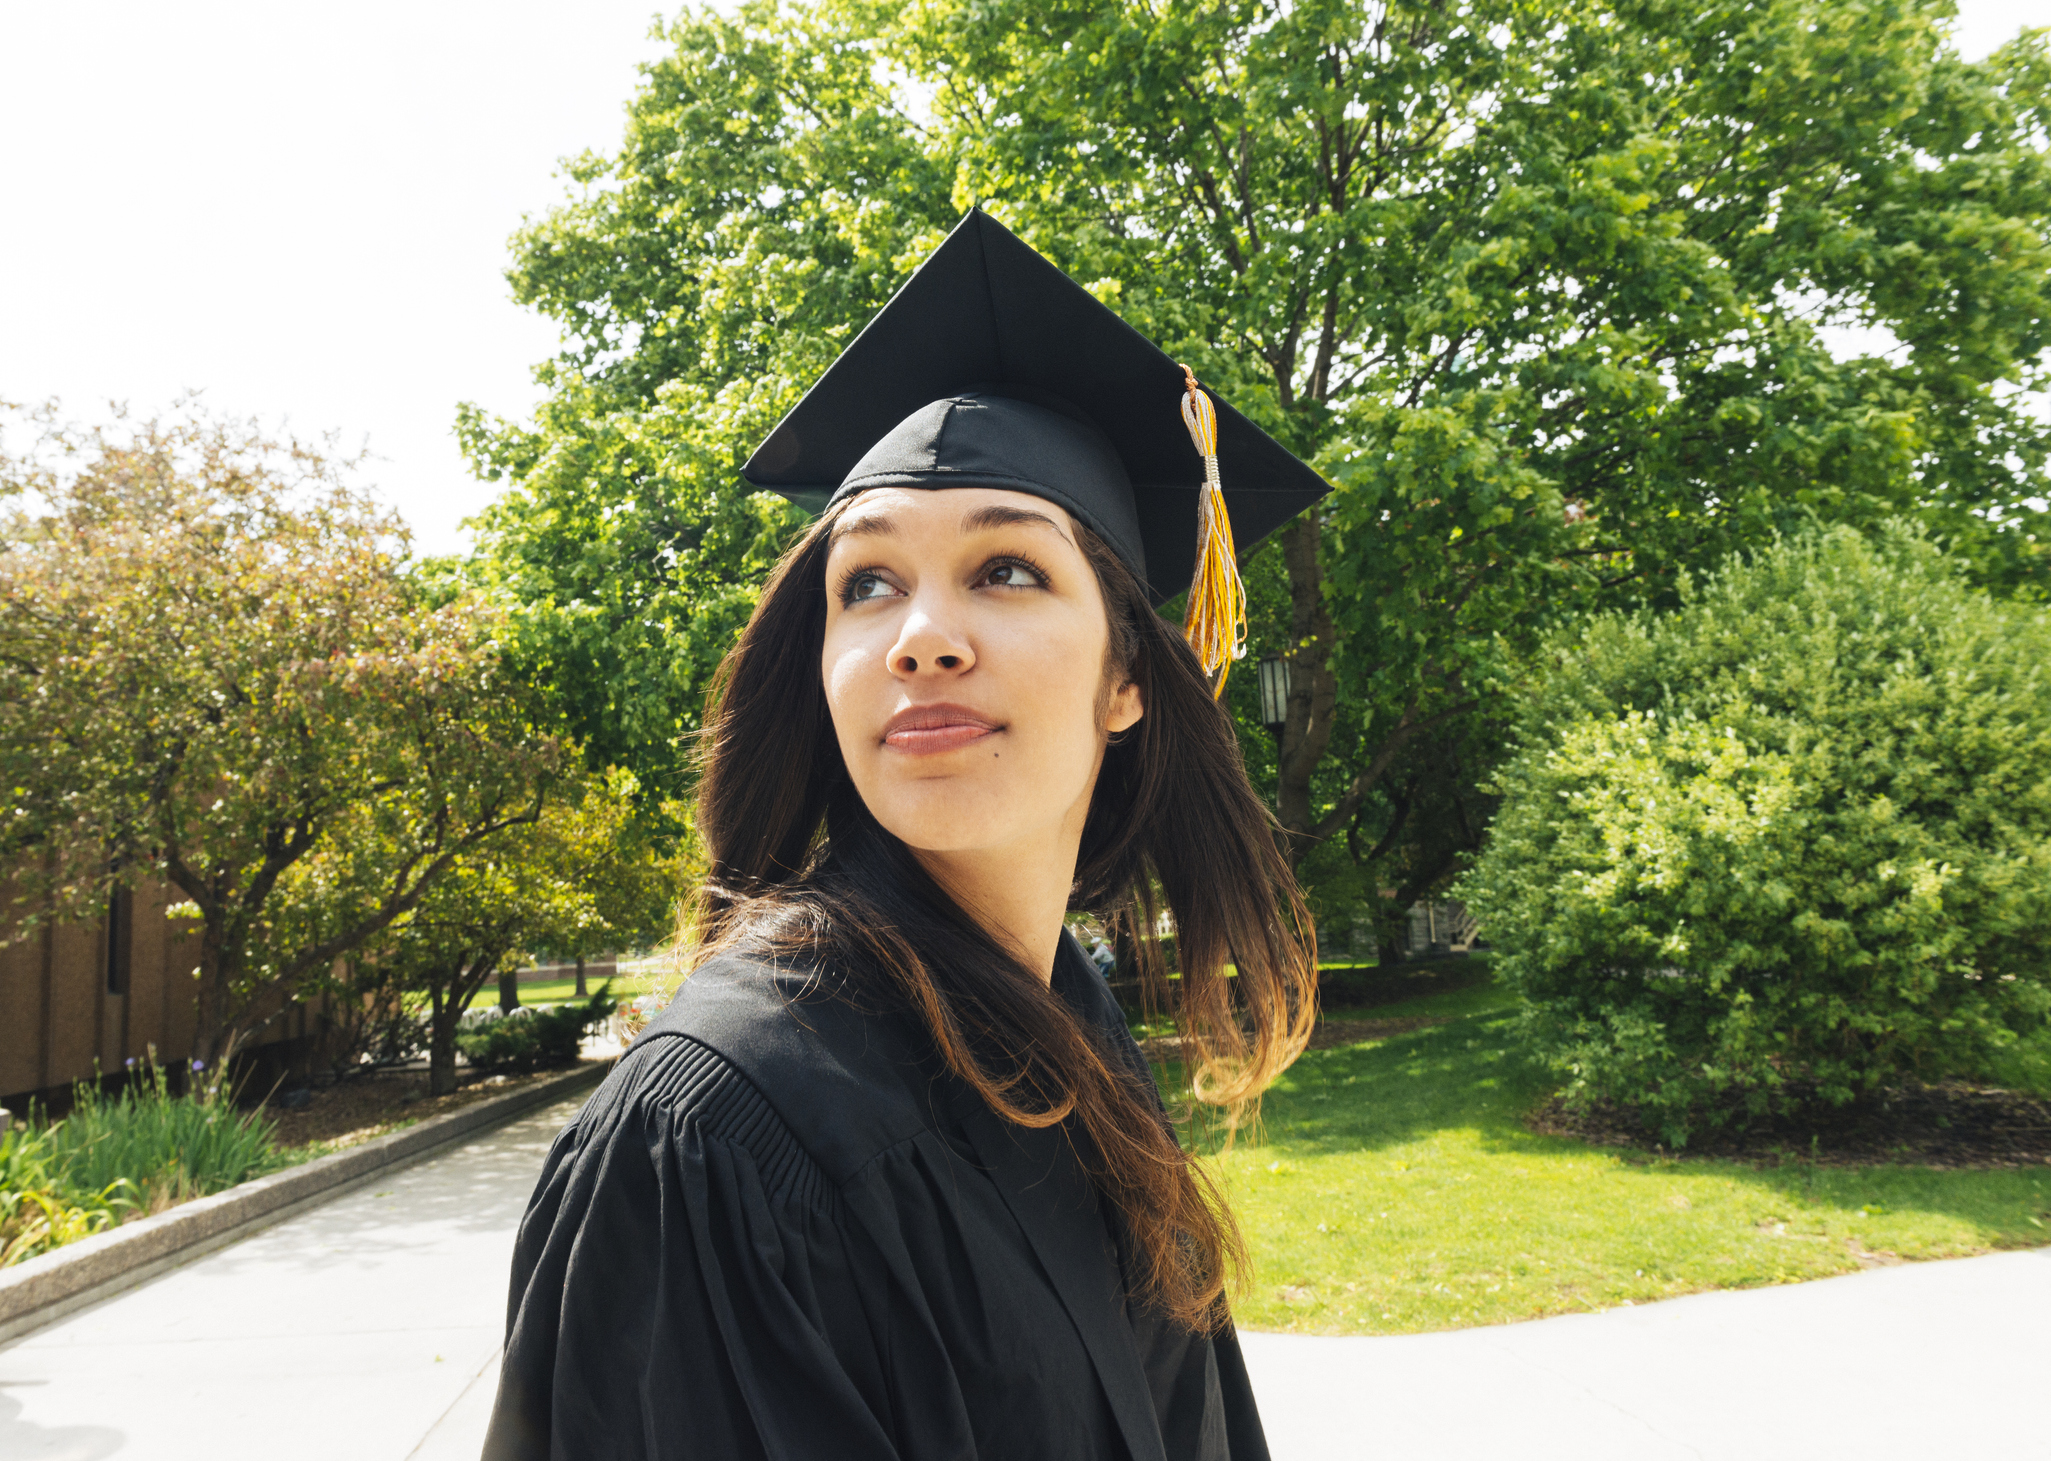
x,y
992,368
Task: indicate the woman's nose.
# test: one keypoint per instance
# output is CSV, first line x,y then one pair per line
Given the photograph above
x,y
928,644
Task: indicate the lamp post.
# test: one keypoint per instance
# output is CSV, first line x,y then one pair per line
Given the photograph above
x,y
1274,677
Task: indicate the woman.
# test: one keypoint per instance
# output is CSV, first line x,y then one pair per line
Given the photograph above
x,y
889,1178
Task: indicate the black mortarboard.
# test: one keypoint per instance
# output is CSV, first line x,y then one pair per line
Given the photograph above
x,y
992,368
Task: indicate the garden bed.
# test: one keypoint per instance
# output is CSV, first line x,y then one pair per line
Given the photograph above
x,y
47,1284
1951,1125
374,1103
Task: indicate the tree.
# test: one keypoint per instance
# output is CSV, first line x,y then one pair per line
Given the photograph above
x,y
1543,288
457,937
768,197
581,868
212,663
1788,843
620,877
629,878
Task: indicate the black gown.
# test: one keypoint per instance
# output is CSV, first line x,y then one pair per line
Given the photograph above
x,y
778,1231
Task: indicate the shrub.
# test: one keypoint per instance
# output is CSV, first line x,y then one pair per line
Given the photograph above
x,y
1791,842
36,1213
527,1039
141,1151
373,1020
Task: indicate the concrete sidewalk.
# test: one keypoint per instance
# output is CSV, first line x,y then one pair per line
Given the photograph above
x,y
1927,1360
369,1329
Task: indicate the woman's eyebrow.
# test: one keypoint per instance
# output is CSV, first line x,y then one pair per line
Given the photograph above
x,y
998,516
872,525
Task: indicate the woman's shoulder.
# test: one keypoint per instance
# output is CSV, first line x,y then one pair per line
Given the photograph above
x,y
747,1043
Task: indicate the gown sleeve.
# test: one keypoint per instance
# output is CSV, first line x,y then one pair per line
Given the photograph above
x,y
684,1287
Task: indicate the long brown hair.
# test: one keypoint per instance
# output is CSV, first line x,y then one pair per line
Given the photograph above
x,y
798,866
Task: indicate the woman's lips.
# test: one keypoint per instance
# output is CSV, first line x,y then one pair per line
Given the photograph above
x,y
925,730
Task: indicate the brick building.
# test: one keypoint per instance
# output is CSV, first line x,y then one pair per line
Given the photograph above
x,y
76,997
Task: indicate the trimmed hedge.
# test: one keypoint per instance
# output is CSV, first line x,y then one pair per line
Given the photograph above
x,y
533,1039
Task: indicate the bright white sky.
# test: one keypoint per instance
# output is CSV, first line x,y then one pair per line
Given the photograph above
x,y
302,210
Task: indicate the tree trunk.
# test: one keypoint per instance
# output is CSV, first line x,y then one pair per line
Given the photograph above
x,y
206,1036
1125,977
509,989
582,992
441,1048
214,1040
1313,689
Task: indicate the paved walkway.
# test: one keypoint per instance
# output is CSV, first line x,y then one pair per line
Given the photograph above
x,y
369,1329
1925,1361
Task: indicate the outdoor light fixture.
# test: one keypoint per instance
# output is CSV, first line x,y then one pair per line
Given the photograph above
x,y
1274,675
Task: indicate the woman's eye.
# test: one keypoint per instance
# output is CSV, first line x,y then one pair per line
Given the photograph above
x,y
867,586
1011,575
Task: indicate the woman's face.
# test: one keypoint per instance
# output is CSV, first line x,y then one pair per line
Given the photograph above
x,y
964,665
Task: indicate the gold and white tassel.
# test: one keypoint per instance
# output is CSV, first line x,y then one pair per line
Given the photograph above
x,y
1215,623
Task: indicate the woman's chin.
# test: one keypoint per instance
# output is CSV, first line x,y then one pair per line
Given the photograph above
x,y
958,830
946,841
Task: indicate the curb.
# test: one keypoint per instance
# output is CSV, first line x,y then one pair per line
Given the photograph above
x,y
53,1284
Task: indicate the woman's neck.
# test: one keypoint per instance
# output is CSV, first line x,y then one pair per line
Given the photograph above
x,y
1018,894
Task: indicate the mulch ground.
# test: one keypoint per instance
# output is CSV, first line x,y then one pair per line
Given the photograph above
x,y
372,1104
1952,1125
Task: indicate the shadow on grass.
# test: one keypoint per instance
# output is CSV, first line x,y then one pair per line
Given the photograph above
x,y
1346,987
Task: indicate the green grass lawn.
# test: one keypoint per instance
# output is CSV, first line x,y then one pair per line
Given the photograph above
x,y
557,991
1393,1188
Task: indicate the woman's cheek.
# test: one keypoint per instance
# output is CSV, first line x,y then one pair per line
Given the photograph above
x,y
847,699
1063,694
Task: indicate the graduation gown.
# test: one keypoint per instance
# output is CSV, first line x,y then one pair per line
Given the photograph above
x,y
780,1230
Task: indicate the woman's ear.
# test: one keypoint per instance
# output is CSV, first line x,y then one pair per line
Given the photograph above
x,y
1125,709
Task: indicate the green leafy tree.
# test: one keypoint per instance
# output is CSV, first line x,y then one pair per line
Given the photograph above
x,y
584,864
1788,843
1543,288
211,662
621,875
630,877
768,197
